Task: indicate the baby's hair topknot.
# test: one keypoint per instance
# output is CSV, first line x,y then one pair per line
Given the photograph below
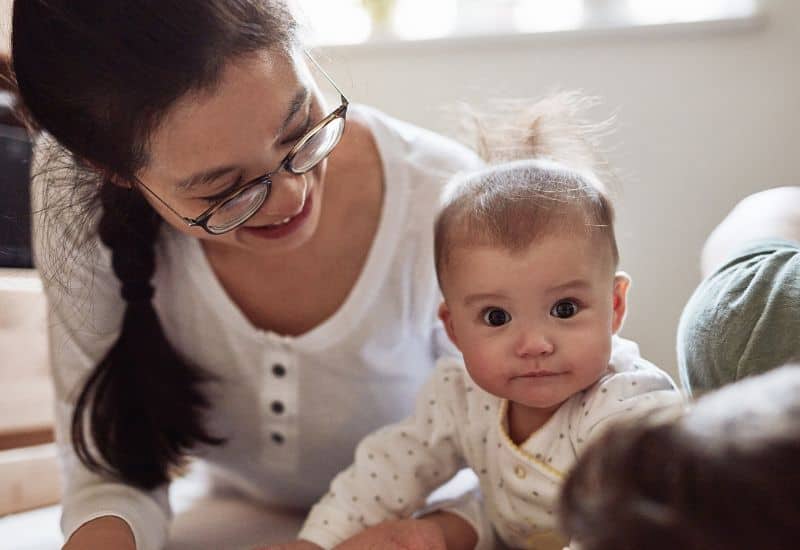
x,y
555,127
545,175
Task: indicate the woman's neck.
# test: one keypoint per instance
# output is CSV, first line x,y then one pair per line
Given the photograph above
x,y
324,270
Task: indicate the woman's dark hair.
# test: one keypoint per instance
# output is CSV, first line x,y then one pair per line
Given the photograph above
x,y
99,76
724,476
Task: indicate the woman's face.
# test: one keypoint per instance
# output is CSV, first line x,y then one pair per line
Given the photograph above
x,y
212,142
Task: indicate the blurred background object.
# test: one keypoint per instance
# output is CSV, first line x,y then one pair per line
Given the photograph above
x,y
15,156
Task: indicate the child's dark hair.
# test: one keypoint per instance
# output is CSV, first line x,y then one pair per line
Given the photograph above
x,y
724,476
99,76
543,178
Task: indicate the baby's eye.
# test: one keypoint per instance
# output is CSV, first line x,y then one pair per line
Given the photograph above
x,y
496,317
564,309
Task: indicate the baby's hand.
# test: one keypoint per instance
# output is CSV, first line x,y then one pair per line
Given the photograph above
x,y
295,545
404,534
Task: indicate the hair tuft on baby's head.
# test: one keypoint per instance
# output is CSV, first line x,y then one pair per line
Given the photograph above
x,y
543,178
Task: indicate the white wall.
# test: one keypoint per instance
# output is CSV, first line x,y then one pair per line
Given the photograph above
x,y
705,118
5,25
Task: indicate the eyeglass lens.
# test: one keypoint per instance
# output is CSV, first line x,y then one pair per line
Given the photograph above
x,y
239,208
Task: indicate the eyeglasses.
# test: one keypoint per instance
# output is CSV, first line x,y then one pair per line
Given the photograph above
x,y
311,149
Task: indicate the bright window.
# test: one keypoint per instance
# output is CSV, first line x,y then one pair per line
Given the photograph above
x,y
358,21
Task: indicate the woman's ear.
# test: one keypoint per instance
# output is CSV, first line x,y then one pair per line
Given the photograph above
x,y
622,282
119,182
108,176
447,321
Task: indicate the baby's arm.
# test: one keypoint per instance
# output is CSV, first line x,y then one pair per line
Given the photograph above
x,y
395,469
625,397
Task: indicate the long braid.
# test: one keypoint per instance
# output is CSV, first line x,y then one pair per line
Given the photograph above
x,y
143,403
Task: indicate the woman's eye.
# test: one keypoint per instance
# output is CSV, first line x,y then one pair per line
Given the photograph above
x,y
296,136
225,193
496,317
564,309
299,133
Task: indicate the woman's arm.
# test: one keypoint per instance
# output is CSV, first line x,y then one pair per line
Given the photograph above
x,y
102,533
437,531
458,533
771,214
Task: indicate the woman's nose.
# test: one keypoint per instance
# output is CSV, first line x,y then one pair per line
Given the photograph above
x,y
533,343
288,195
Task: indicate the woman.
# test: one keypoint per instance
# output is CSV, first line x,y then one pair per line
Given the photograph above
x,y
244,274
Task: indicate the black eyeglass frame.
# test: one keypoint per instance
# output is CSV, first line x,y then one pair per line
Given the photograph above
x,y
265,179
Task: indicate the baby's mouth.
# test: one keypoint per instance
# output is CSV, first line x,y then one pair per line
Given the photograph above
x,y
538,374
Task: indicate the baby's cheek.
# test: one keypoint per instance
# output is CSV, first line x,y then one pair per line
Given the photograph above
x,y
595,352
483,370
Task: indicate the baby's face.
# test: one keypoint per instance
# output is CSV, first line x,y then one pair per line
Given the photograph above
x,y
534,326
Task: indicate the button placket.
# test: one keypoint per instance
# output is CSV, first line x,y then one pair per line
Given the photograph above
x,y
278,408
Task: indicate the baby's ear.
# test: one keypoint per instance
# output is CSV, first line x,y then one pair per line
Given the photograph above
x,y
447,321
622,282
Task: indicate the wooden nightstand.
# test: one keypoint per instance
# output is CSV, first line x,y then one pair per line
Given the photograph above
x,y
28,470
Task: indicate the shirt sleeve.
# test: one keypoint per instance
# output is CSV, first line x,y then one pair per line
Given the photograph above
x,y
84,316
623,396
395,468
738,321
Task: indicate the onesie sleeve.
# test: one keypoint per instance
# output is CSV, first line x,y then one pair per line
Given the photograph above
x,y
622,396
395,468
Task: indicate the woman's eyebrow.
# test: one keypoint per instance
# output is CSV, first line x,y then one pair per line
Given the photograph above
x,y
204,177
299,99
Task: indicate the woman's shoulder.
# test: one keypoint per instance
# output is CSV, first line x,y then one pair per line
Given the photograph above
x,y
423,152
64,213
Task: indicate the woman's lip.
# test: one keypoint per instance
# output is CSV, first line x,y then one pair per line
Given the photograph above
x,y
279,231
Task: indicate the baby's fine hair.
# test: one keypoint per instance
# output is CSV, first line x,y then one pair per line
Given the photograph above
x,y
721,476
543,177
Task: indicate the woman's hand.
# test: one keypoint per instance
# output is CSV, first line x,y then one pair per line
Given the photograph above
x,y
405,534
436,531
295,545
102,533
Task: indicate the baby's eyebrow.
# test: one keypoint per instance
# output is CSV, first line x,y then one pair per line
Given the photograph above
x,y
481,297
575,284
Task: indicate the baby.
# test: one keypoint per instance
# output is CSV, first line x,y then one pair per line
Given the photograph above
x,y
723,476
527,263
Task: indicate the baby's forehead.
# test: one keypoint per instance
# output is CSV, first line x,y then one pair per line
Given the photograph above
x,y
547,261
569,244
